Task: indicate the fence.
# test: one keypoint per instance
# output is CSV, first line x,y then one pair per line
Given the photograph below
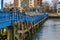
x,y
7,17
26,25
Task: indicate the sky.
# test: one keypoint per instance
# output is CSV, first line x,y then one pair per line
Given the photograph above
x,y
8,1
47,0
13,0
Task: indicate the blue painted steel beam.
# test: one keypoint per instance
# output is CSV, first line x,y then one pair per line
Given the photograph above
x,y
8,17
2,4
5,24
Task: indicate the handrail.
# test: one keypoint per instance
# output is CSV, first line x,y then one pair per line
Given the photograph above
x,y
16,16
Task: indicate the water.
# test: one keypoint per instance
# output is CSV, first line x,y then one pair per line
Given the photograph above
x,y
51,30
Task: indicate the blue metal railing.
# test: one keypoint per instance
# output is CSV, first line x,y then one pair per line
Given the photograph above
x,y
7,17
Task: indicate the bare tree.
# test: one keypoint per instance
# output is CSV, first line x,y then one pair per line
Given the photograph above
x,y
46,6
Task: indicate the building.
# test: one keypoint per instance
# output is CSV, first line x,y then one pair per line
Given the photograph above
x,y
58,8
39,2
35,3
28,3
31,3
17,3
21,3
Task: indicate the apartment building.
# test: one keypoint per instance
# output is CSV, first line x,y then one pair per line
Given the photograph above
x,y
17,3
28,3
31,3
35,3
39,2
21,3
58,8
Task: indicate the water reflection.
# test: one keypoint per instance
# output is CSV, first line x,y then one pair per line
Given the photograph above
x,y
51,30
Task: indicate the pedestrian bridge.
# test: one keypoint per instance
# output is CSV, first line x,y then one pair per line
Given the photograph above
x,y
6,18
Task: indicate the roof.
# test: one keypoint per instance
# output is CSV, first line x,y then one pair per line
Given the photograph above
x,y
58,2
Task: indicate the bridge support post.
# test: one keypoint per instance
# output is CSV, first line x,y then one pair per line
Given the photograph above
x,y
8,34
13,31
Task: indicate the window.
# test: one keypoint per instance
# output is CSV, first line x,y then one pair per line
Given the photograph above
x,y
58,11
30,0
